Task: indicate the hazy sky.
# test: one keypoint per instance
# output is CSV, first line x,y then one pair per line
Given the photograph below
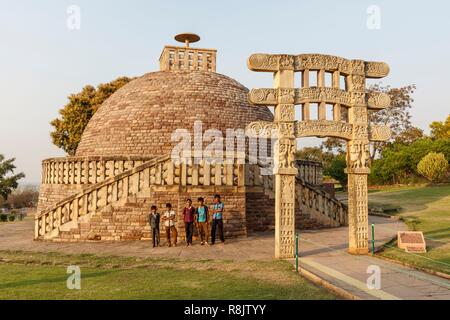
x,y
42,61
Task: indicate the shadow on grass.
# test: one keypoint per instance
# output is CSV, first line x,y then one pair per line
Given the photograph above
x,y
61,279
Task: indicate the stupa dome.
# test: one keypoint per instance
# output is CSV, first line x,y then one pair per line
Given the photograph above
x,y
139,118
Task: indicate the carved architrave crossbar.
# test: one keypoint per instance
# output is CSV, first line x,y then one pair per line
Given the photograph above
x,y
354,128
318,128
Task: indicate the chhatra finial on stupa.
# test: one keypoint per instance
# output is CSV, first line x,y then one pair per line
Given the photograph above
x,y
187,38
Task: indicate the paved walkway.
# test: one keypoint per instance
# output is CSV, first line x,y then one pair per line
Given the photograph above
x,y
323,252
325,255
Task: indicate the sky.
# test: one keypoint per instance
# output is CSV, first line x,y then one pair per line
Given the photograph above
x,y
42,60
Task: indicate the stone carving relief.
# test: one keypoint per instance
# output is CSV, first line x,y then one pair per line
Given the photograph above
x,y
322,128
286,61
287,214
274,62
359,155
358,83
264,62
262,129
286,151
285,95
287,112
359,115
271,97
376,69
377,101
379,133
287,189
360,131
286,129
286,243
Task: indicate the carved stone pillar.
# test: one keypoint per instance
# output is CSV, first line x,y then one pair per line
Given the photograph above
x,y
285,169
358,163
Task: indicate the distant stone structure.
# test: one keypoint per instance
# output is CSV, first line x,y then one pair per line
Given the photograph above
x,y
352,125
123,163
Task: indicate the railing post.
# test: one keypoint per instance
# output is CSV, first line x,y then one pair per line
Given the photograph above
x,y
373,239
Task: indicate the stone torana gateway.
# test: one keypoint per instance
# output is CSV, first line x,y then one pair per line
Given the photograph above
x,y
123,162
351,125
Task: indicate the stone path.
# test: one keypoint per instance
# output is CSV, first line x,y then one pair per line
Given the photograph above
x,y
19,236
323,252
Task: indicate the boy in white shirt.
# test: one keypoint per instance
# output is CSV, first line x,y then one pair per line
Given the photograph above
x,y
169,218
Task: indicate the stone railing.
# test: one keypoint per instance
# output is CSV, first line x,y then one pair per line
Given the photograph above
x,y
255,177
86,170
321,205
187,59
92,170
310,171
158,171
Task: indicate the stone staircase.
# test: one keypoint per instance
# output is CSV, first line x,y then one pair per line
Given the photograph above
x,y
78,209
315,208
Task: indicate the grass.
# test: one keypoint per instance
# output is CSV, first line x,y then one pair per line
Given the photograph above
x,y
25,275
423,208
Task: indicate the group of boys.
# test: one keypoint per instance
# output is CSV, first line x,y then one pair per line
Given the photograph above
x,y
198,217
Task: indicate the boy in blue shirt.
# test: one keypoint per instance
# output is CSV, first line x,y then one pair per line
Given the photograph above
x,y
217,219
201,218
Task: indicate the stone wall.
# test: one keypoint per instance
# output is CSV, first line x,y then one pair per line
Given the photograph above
x,y
260,209
50,194
129,221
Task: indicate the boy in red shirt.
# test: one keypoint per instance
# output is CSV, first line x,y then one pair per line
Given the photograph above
x,y
188,213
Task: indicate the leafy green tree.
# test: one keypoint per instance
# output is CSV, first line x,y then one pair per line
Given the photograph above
x,y
76,114
434,166
441,129
409,135
334,145
8,180
315,154
336,168
398,161
397,117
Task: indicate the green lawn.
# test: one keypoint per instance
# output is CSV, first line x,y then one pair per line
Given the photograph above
x,y
426,209
43,276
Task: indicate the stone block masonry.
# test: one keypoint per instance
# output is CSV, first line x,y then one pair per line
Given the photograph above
x,y
129,221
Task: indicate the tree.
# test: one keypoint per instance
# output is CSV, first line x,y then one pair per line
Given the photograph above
x,y
334,145
398,161
409,135
76,114
434,166
336,170
315,154
8,180
396,116
441,129
26,197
